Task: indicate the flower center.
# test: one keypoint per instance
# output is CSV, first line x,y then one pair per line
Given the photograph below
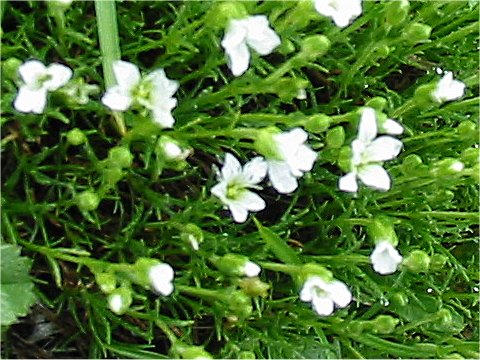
x,y
141,93
234,191
42,79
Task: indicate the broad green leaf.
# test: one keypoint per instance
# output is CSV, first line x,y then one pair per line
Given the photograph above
x,y
16,287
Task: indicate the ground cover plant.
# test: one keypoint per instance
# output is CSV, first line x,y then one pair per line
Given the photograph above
x,y
258,179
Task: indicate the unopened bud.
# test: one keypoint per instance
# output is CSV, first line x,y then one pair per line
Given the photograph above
x,y
254,287
10,68
345,158
120,157
381,229
236,265
377,102
396,12
76,137
192,235
400,299
107,282
445,317
265,144
335,137
410,164
314,46
468,130
417,261
240,304
120,300
437,262
471,156
416,32
384,324
185,351
221,13
317,123
87,200
448,166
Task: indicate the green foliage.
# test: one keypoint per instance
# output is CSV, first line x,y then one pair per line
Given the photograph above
x,y
16,290
85,189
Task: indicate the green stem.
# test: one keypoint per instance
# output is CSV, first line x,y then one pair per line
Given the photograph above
x,y
200,292
289,269
110,47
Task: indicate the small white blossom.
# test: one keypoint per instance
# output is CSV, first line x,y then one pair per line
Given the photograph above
x,y
448,89
38,80
342,12
325,295
254,32
161,278
385,258
250,269
154,92
293,159
367,155
234,183
115,303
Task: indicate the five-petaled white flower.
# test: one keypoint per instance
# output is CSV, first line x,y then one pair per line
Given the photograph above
x,y
234,183
367,155
342,12
154,92
293,158
253,31
161,278
448,89
325,295
38,79
385,258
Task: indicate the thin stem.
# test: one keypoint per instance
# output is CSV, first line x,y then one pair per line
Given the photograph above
x,y
200,292
109,47
289,269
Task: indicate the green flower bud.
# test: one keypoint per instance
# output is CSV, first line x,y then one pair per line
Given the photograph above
x,y
471,156
384,324
417,261
416,33
396,12
313,47
192,235
60,4
411,164
345,158
423,94
254,287
286,88
87,200
111,176
120,300
76,137
222,12
286,47
236,265
120,156
185,351
468,130
239,304
446,167
169,150
265,145
357,327
107,282
437,262
317,123
247,355
382,51
377,102
335,137
400,299
381,228
10,68
445,316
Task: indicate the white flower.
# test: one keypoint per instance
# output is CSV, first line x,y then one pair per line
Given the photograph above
x,y
448,89
250,269
161,277
234,183
37,81
325,295
367,155
254,32
391,127
342,12
154,92
385,258
293,159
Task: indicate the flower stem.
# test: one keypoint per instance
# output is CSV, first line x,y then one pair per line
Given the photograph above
x,y
109,47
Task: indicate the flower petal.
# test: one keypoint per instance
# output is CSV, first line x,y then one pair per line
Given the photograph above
x,y
323,305
127,74
220,191
255,170
161,277
239,213
116,99
348,182
251,269
392,127
162,84
375,176
60,75
231,167
163,118
30,101
30,71
251,201
234,43
367,129
281,177
260,37
381,149
304,158
339,293
385,258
